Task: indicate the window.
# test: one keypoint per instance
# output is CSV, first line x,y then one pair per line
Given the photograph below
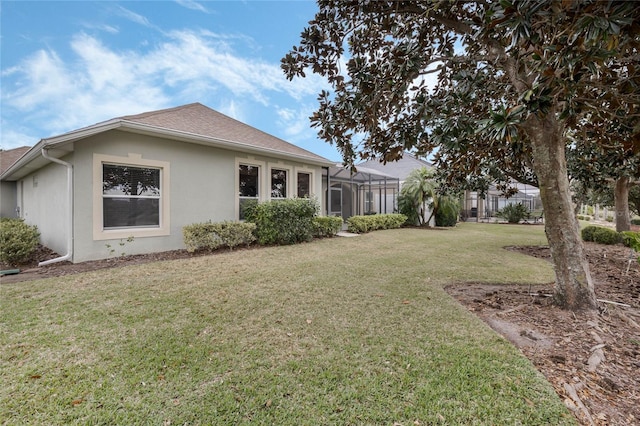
x,y
369,202
304,185
278,183
249,184
130,196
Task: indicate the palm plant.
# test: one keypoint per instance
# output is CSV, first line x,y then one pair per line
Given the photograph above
x,y
419,192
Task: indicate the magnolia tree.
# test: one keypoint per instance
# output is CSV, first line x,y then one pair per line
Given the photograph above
x,y
486,85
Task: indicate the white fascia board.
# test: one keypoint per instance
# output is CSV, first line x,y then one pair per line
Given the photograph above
x,y
58,141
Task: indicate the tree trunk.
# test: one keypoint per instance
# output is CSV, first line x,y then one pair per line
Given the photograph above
x,y
574,287
623,217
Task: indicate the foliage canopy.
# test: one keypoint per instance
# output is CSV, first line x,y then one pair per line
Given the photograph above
x,y
495,86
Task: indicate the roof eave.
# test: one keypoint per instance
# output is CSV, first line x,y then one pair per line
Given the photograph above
x,y
57,141
12,173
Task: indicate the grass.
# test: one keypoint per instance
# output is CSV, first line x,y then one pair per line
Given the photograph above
x,y
339,331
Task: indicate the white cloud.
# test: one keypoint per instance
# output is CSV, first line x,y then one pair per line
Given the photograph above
x,y
44,78
102,27
98,82
15,138
193,5
134,17
295,123
233,110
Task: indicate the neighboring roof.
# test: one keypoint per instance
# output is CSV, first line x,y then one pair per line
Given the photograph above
x,y
399,169
523,189
194,123
10,156
362,175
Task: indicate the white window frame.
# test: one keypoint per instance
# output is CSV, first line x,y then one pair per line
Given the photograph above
x,y
133,160
312,181
278,166
262,166
289,170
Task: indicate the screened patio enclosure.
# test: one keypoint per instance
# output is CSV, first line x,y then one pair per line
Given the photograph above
x,y
476,208
365,191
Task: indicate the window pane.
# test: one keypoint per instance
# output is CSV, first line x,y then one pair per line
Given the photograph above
x,y
126,180
248,181
304,185
278,183
121,212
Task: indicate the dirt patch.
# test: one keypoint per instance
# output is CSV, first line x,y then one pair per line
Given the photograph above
x,y
591,359
31,270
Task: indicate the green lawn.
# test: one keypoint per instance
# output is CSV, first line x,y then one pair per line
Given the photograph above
x,y
338,331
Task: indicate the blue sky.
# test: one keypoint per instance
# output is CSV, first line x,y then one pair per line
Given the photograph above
x,y
67,65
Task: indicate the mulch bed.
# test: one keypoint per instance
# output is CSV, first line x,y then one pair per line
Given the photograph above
x,y
591,359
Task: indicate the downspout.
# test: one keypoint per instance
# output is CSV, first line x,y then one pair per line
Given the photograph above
x,y
328,196
69,167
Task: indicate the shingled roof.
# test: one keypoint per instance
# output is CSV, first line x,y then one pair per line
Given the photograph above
x,y
10,156
194,123
200,120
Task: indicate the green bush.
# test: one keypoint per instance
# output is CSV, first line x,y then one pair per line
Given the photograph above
x,y
211,236
447,216
288,221
18,241
587,232
631,239
585,218
326,226
635,221
609,218
364,224
513,213
603,235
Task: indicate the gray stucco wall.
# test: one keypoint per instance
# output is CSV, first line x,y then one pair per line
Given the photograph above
x,y
43,201
202,188
8,199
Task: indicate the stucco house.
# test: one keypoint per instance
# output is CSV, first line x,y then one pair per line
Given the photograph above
x,y
146,176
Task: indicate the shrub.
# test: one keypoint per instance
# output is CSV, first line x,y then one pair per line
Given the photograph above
x,y
513,213
448,211
606,236
609,218
635,221
587,232
364,224
288,221
407,206
631,239
18,241
211,236
326,226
